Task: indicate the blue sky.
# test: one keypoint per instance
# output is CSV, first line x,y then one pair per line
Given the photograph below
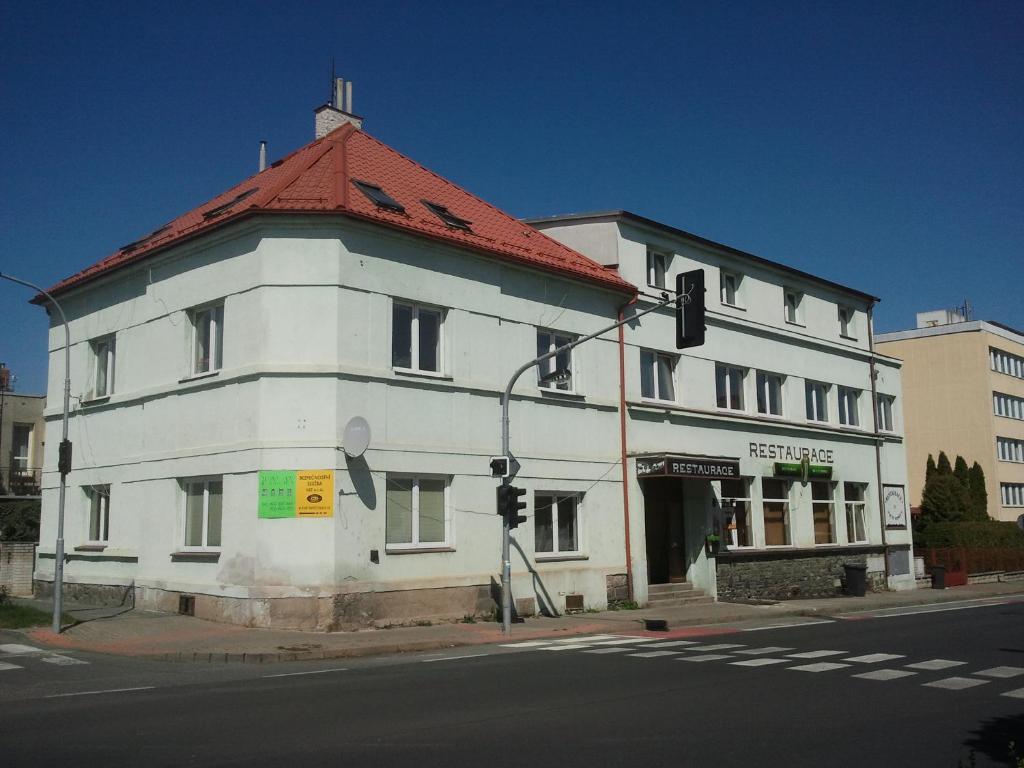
x,y
877,145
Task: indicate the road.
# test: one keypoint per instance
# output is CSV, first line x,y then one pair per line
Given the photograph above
x,y
899,688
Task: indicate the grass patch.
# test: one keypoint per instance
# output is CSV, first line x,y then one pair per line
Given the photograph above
x,y
22,616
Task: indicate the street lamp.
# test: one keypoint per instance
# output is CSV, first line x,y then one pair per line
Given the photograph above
x,y
63,461
557,376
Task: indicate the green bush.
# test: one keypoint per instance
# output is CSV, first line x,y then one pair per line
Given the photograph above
x,y
990,533
19,520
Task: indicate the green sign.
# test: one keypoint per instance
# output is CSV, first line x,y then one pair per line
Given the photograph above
x,y
814,471
277,494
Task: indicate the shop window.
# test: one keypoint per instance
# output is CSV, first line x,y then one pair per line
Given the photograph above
x,y
775,503
657,376
556,524
416,508
736,509
823,511
416,335
854,495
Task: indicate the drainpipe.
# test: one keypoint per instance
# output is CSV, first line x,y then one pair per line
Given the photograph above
x,y
878,438
622,441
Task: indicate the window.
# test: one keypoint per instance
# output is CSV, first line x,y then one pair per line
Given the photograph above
x,y
769,393
1004,362
657,373
775,502
849,406
225,207
1010,449
729,386
103,355
730,288
816,396
207,339
21,439
416,334
846,326
379,197
791,303
656,266
1012,494
1007,405
99,513
854,494
557,369
823,510
203,513
417,512
885,404
736,497
556,524
447,216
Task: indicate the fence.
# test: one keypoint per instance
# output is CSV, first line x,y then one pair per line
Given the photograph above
x,y
15,481
960,562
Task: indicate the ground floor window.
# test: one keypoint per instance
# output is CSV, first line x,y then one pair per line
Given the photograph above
x,y
203,512
775,502
854,495
823,510
416,511
556,523
736,496
99,513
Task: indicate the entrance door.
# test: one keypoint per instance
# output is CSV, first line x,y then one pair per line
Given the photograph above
x,y
663,516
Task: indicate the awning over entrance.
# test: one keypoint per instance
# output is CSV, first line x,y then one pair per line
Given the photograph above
x,y
704,467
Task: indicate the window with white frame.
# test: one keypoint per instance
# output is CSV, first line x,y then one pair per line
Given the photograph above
x,y
555,372
730,288
729,386
792,300
769,393
203,513
99,513
853,494
775,504
657,376
736,507
849,406
885,405
1008,406
21,442
823,511
1010,449
1004,362
816,400
103,362
847,328
416,338
416,508
556,523
657,264
1012,494
207,339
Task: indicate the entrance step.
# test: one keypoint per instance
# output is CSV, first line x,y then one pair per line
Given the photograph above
x,y
673,595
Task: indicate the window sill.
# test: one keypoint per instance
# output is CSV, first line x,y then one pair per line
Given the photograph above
x,y
555,557
416,550
100,400
733,411
733,306
653,401
425,374
195,556
772,416
847,338
198,376
561,393
796,323
91,547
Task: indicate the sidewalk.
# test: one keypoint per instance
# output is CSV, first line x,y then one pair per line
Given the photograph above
x,y
183,638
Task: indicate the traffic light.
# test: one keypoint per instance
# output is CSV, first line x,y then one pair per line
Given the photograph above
x,y
690,309
509,504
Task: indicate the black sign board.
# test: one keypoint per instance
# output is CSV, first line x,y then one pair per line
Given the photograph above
x,y
687,466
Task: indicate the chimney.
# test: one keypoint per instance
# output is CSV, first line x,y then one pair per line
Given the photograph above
x,y
263,155
339,111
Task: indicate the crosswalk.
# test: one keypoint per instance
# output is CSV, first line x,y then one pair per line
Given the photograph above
x,y
880,666
17,656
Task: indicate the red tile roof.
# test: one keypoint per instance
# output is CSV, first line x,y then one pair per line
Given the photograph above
x,y
318,179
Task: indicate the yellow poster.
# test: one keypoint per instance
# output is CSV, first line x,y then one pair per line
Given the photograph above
x,y
314,493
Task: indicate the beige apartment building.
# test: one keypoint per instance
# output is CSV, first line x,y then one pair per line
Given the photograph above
x,y
963,393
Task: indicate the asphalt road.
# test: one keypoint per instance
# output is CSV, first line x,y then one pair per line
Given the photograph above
x,y
936,689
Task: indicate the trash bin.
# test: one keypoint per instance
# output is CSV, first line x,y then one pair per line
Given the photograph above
x,y
938,577
856,579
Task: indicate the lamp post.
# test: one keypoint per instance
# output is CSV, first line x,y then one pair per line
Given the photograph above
x,y
63,462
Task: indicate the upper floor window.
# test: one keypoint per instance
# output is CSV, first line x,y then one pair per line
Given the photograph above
x,y
1008,406
416,508
849,406
730,287
203,513
103,361
1010,449
847,328
657,374
555,372
816,398
416,334
792,301
99,513
657,264
556,524
1004,362
729,386
885,404
21,442
1011,494
207,339
769,393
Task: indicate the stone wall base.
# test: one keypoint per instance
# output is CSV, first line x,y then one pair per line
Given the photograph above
x,y
617,588
17,562
789,576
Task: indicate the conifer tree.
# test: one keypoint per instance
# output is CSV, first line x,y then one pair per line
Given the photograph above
x,y
977,492
944,468
930,469
961,472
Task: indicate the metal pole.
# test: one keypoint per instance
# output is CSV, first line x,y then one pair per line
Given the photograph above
x,y
506,565
58,567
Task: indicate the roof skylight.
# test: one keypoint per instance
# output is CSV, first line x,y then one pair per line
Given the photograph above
x,y
143,240
225,207
447,216
379,196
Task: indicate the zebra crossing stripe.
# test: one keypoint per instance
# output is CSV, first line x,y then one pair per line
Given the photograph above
x,y
820,666
4,665
934,665
885,674
956,683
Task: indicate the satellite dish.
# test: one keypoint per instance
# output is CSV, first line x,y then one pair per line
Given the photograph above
x,y
356,437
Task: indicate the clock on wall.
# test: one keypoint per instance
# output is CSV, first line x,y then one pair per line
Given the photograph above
x,y
894,499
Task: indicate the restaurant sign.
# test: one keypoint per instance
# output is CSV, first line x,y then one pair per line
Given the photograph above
x,y
687,466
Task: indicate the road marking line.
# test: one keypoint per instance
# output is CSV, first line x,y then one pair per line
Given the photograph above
x,y
1018,694
453,658
63,661
527,644
913,610
705,657
815,654
874,658
654,654
566,647
626,641
787,626
935,664
956,683
586,638
4,665
1001,672
672,643
608,650
885,674
758,662
94,693
820,666
15,648
765,649
312,672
